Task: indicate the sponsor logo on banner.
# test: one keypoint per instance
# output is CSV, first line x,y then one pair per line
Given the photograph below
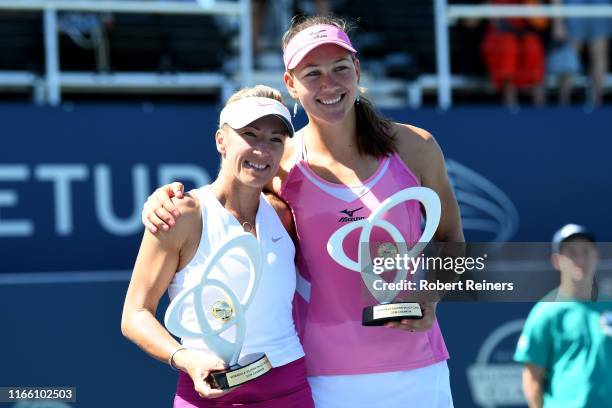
x,y
61,180
495,380
484,206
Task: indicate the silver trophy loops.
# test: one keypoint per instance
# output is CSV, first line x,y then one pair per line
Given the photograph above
x,y
228,310
387,310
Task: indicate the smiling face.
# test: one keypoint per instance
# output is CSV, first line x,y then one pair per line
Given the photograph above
x,y
251,155
325,81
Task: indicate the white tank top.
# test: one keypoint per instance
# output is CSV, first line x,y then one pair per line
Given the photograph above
x,y
269,321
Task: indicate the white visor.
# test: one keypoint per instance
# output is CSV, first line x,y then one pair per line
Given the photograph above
x,y
240,113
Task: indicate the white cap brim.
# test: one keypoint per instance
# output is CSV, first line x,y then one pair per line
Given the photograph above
x,y
245,111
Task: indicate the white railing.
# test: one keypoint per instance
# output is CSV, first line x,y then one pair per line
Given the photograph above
x,y
125,6
446,15
47,89
55,80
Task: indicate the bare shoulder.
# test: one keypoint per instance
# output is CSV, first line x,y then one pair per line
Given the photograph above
x,y
189,207
289,153
287,162
418,148
421,153
282,209
412,139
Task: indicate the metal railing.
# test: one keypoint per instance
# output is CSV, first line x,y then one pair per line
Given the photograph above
x,y
447,15
55,79
47,89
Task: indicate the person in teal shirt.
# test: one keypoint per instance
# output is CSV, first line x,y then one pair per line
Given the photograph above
x,y
566,343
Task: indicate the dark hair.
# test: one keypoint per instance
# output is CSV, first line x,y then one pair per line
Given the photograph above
x,y
375,134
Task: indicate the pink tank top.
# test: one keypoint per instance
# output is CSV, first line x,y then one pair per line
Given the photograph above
x,y
330,298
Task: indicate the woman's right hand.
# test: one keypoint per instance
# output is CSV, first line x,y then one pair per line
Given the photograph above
x,y
159,212
199,365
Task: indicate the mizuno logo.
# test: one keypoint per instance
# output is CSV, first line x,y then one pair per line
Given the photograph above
x,y
350,216
350,212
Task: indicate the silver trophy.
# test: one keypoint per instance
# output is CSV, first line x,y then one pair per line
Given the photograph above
x,y
225,310
388,308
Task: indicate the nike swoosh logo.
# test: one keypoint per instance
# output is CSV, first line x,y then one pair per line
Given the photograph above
x,y
276,239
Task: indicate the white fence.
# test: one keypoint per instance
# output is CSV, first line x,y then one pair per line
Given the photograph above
x,y
47,90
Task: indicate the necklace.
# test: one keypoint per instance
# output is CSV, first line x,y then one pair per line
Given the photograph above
x,y
247,226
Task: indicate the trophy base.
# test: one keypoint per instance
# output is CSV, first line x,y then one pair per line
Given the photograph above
x,y
390,312
247,369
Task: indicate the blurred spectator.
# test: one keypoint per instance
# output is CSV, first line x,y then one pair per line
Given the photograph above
x,y
563,62
566,343
89,31
514,55
277,14
259,12
595,31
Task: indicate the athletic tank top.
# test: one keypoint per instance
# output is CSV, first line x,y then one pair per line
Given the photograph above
x,y
269,322
330,300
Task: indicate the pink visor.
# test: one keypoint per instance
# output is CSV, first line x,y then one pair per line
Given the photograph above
x,y
312,37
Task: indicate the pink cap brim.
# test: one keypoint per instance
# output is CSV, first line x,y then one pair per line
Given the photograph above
x,y
299,56
311,38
